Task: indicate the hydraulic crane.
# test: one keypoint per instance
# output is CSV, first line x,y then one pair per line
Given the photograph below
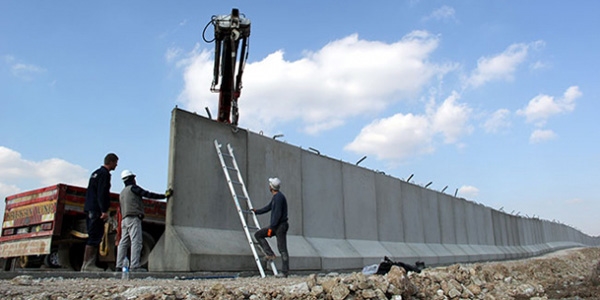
x,y
230,30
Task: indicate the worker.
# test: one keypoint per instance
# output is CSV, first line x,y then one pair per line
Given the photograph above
x,y
132,210
97,202
278,226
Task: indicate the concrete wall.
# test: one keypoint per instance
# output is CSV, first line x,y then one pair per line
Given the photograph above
x,y
341,216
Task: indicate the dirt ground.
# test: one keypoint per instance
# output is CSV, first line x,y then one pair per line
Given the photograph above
x,y
567,274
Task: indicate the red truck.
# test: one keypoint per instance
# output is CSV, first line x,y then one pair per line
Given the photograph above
x,y
47,227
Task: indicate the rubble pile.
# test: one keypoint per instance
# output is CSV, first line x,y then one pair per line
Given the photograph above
x,y
567,274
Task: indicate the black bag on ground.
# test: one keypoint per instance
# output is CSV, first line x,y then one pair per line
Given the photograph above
x,y
386,265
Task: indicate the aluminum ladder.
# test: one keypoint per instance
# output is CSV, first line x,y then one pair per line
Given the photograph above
x,y
236,186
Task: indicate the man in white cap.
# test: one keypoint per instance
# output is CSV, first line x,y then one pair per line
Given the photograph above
x,y
132,210
278,226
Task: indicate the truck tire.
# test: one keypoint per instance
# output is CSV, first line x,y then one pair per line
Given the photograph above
x,y
148,243
53,260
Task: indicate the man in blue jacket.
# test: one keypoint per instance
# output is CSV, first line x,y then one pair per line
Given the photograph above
x,y
278,226
97,203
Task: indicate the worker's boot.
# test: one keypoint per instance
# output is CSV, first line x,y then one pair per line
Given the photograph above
x,y
285,264
89,260
269,255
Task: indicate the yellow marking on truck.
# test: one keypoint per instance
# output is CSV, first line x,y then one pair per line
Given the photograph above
x,y
31,197
31,212
10,223
48,217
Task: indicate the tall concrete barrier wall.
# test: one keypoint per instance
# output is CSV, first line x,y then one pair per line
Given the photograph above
x,y
341,216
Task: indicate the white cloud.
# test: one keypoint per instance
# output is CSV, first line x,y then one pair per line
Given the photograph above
x,y
497,121
541,135
6,190
13,169
501,66
395,138
575,201
539,65
23,71
542,107
443,13
17,173
451,119
172,54
406,135
468,192
345,78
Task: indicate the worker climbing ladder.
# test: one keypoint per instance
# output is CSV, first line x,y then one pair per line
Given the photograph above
x,y
236,186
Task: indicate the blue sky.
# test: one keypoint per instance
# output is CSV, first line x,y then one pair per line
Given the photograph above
x,y
498,99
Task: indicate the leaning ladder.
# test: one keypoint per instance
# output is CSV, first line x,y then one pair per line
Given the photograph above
x,y
234,187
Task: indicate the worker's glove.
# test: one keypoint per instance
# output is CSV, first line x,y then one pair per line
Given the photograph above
x,y
169,193
270,232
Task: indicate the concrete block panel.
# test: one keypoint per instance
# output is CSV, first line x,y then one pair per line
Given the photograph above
x,y
169,253
460,221
471,223
360,203
524,231
269,158
401,251
336,254
412,216
488,225
302,254
447,220
193,157
549,231
202,197
389,209
485,253
483,230
449,253
513,230
426,254
500,228
372,252
431,218
446,257
539,232
322,197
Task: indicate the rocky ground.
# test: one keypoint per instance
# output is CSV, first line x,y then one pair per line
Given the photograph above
x,y
567,274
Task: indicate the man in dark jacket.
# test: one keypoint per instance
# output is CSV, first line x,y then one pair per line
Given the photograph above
x,y
97,203
132,210
278,226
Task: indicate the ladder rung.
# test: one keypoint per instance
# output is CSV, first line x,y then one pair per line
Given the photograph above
x,y
236,182
231,168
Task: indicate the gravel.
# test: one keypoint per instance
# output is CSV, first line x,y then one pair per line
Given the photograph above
x,y
566,274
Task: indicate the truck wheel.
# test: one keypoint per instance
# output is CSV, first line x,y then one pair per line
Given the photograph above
x,y
147,246
52,260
